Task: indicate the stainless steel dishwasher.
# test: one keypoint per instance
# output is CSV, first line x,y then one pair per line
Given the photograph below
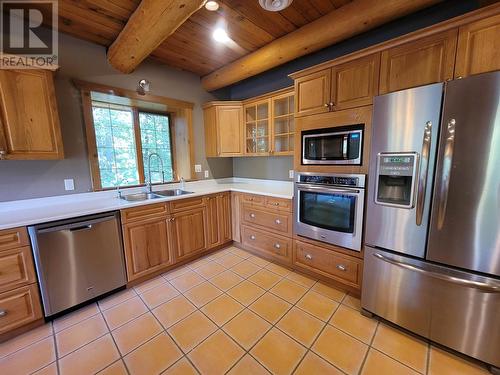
x,y
77,259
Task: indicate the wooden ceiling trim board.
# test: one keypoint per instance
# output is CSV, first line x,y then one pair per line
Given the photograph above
x,y
92,17
273,22
81,31
323,6
151,23
181,62
109,8
352,19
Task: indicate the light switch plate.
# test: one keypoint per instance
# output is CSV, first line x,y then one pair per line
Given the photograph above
x,y
197,168
69,184
206,174
290,173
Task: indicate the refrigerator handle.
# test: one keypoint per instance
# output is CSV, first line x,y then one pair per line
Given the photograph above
x,y
446,171
483,287
424,171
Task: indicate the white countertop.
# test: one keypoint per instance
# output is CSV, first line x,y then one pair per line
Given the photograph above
x,y
41,210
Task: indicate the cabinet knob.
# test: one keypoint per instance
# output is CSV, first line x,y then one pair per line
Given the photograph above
x,y
327,104
252,237
252,215
341,267
3,153
275,204
277,221
3,312
277,246
308,256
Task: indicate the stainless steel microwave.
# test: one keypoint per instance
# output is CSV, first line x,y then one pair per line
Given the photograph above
x,y
341,145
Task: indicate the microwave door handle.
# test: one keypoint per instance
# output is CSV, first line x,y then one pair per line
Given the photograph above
x,y
344,146
446,171
424,170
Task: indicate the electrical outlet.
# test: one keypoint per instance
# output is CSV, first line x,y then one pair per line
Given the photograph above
x,y
290,173
197,168
206,174
69,184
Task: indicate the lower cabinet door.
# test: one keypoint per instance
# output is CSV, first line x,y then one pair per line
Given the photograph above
x,y
224,217
147,247
189,231
19,307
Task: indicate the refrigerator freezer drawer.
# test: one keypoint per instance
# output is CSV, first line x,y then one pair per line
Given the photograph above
x,y
453,308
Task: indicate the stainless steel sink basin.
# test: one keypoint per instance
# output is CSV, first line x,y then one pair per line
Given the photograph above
x,y
140,197
172,192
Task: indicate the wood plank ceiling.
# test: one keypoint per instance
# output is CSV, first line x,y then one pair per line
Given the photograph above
x,y
192,47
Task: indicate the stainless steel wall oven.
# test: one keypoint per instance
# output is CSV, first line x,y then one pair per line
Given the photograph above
x,y
329,208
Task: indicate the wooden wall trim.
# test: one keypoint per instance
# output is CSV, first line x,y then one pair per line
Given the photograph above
x,y
455,22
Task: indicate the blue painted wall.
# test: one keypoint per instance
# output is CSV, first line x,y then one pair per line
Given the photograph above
x,y
277,78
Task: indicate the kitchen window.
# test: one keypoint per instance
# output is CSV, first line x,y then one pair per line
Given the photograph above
x,y
124,128
125,137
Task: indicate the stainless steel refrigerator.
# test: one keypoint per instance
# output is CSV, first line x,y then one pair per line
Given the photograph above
x,y
432,241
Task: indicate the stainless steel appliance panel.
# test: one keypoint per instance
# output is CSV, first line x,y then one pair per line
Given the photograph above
x,y
465,222
404,122
77,260
453,308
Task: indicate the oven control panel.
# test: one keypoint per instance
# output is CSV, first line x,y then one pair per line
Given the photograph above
x,y
330,180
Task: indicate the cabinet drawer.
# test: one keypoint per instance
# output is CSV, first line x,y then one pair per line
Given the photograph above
x,y
327,263
19,307
12,238
279,204
258,200
277,221
144,212
187,204
271,245
16,268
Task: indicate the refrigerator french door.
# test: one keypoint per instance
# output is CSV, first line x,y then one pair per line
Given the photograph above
x,y
432,244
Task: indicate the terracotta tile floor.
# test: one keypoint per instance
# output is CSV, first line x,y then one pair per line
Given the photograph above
x,y
230,312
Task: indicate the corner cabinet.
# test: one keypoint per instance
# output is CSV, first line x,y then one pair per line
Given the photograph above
x,y
29,120
223,129
346,85
219,222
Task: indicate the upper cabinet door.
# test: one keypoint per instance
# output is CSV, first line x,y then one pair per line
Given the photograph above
x,y
29,118
354,84
427,60
230,130
312,93
478,49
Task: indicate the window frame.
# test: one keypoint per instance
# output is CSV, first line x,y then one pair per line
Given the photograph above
x,y
180,113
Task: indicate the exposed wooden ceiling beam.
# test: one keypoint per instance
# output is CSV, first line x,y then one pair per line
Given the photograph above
x,y
340,24
151,23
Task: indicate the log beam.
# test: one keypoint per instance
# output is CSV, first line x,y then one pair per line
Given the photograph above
x,y
151,23
349,20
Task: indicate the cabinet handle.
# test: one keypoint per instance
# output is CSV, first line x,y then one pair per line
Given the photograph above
x,y
277,246
277,221
341,267
327,104
3,312
3,153
252,237
308,256
252,215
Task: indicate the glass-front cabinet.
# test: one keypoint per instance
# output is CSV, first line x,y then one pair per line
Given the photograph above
x,y
269,125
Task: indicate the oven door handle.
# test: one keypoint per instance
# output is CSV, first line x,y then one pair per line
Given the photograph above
x,y
319,189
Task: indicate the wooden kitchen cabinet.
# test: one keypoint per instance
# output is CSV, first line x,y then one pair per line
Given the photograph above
x,y
189,231
19,307
257,127
147,247
283,123
346,85
312,93
223,129
427,60
29,120
478,49
219,219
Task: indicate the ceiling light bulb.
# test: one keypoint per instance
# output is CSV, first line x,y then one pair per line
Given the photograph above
x,y
212,5
275,5
220,35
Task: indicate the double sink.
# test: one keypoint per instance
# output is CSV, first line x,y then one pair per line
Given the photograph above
x,y
154,195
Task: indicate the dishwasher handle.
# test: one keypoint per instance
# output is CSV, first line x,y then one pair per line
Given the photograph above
x,y
78,225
